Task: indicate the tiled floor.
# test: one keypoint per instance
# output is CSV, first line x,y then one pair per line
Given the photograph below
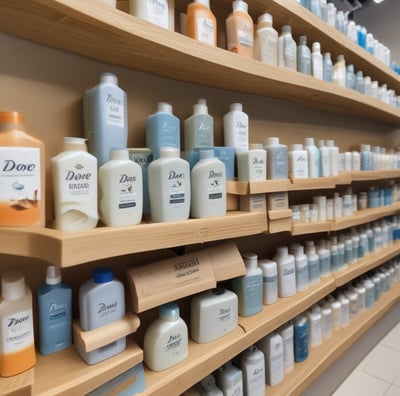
x,y
378,374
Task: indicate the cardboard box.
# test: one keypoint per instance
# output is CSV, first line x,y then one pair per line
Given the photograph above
x,y
279,220
278,200
254,203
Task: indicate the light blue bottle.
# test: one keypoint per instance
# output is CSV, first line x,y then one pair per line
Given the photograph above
x,y
162,130
54,306
360,83
105,118
366,157
350,77
277,159
304,3
249,288
303,56
327,67
315,7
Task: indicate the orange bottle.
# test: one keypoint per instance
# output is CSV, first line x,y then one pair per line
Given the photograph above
x,y
201,23
22,173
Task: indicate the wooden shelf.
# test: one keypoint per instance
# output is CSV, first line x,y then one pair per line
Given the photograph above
x,y
95,30
375,175
69,249
321,357
316,183
300,228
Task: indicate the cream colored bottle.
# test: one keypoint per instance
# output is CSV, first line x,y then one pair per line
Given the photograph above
x,y
266,41
120,190
160,12
339,71
240,30
74,173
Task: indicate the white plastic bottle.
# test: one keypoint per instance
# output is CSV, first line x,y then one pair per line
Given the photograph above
x,y
301,264
313,157
270,281
315,330
334,157
208,187
266,41
316,60
287,49
325,161
207,387
277,159
313,262
339,71
298,162
326,321
252,164
252,363
230,379
160,12
272,347
120,190
74,174
287,333
286,272
105,117
166,339
169,187
236,127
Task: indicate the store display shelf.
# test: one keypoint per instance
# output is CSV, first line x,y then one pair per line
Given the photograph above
x,y
315,183
18,385
95,30
321,357
73,248
300,228
375,175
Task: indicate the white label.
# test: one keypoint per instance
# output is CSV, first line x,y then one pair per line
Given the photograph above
x,y
158,12
215,185
114,110
79,184
17,330
127,193
205,31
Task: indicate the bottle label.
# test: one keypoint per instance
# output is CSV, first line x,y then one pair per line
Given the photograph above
x,y
244,37
215,185
79,184
20,187
127,191
158,12
205,31
174,342
224,314
114,110
17,330
176,191
268,48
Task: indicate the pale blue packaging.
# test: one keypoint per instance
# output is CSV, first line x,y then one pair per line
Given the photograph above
x,y
303,56
327,67
277,159
54,307
227,156
162,130
350,77
300,337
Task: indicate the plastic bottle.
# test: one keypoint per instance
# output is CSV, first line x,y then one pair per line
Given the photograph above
x,y
272,347
74,173
266,41
252,363
169,187
201,23
301,263
287,332
316,61
105,117
162,129
324,259
286,272
360,84
208,387
300,337
350,77
334,157
352,31
277,159
315,319
270,281
303,56
324,10
22,173
326,321
239,30
325,159
166,339
249,287
327,67
55,313
366,157
331,14
252,164
236,127
230,379
315,8
313,262
160,12
313,157
298,162
339,71
287,49
17,348
101,302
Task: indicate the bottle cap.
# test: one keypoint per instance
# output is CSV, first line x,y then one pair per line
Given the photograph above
x,y
239,5
13,285
119,154
53,275
286,29
11,117
108,78
200,107
103,275
272,141
303,40
340,58
236,107
169,312
269,267
206,154
250,260
163,107
296,147
256,146
316,47
265,18
169,152
309,141
327,56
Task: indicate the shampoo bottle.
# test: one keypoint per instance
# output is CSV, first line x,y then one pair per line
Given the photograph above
x,y
105,117
272,347
208,387
317,68
301,331
266,41
252,362
166,339
313,262
301,264
252,164
286,272
22,173
313,157
270,281
298,162
74,174
350,77
17,348
160,12
239,30
236,127
327,67
315,330
277,159
286,332
169,187
201,23
303,56
287,50
230,379
55,317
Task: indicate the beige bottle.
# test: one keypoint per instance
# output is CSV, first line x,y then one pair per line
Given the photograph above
x,y
240,30
201,23
266,41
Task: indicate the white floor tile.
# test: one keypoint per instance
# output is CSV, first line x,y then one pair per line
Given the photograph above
x,y
392,339
384,364
393,391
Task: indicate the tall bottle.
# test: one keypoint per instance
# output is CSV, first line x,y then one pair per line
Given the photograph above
x,y
313,262
334,157
327,67
339,71
303,56
301,263
160,12
162,129
272,347
317,68
277,159
239,30
17,348
313,157
286,272
252,362
105,117
298,162
236,127
287,49
22,173
350,77
169,187
120,190
266,41
74,173
201,23
55,313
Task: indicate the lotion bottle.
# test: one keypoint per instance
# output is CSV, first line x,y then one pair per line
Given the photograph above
x,y
327,67
252,363
236,127
252,164
313,262
266,41
287,49
120,190
272,347
339,71
105,116
74,174
316,60
230,379
277,159
169,187
315,332
166,339
287,332
301,264
286,272
55,313
298,162
270,281
160,12
300,336
239,30
201,23
313,157
303,56
17,348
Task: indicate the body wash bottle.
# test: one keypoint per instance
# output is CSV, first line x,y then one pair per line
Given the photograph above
x,y
277,159
105,117
327,67
55,317
166,339
201,23
236,127
272,347
339,71
266,41
287,49
230,379
160,12
252,362
286,272
303,56
317,69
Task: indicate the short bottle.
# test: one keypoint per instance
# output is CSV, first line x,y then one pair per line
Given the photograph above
x,y
55,313
252,164
316,60
272,347
270,281
105,116
230,379
252,363
208,387
239,30
201,23
327,67
277,159
339,71
17,348
249,287
169,187
236,127
313,157
162,129
160,13
298,162
22,173
74,173
208,187
101,302
287,49
120,190
303,56
166,339
266,41
286,272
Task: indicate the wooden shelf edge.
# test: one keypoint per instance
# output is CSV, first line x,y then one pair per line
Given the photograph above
x,y
375,175
299,228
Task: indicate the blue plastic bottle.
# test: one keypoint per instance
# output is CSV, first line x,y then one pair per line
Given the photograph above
x,y
301,327
54,306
